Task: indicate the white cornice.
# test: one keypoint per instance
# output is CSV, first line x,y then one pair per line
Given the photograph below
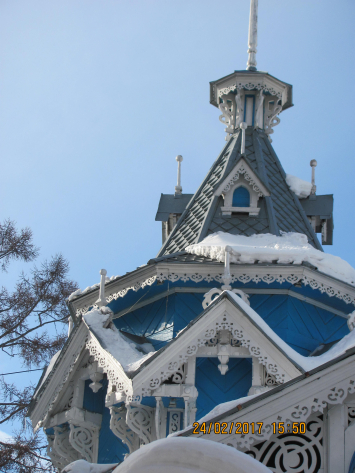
x,y
210,271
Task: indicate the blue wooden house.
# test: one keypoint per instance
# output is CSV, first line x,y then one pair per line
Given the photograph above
x,y
154,351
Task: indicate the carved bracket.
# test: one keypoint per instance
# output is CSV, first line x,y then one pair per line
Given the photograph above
x,y
85,440
62,446
120,428
140,419
58,461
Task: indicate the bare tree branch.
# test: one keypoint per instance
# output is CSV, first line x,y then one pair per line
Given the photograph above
x,y
15,244
37,303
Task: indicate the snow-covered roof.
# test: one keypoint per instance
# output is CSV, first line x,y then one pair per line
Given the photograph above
x,y
267,248
300,187
129,354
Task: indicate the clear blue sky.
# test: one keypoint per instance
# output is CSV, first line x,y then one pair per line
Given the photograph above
x,y
98,97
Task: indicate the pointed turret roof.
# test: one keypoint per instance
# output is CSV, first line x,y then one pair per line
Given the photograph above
x,y
281,211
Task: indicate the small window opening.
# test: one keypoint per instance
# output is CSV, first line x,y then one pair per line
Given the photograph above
x,y
241,197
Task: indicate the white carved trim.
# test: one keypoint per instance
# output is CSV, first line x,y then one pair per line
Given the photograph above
x,y
117,378
214,293
67,369
120,428
297,453
58,461
249,86
85,439
242,168
247,177
224,316
271,119
267,274
62,446
296,403
199,272
140,419
139,284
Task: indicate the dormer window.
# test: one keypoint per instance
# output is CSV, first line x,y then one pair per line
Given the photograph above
x,y
241,190
241,197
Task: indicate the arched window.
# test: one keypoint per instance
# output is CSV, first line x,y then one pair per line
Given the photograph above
x,y
241,197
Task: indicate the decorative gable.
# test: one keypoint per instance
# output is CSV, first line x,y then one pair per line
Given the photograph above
x,y
241,190
224,330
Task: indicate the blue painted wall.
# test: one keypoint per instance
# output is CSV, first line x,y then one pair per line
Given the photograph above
x,y
213,388
300,324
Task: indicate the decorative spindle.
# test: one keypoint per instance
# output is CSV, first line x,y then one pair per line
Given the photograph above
x,y
253,35
313,165
243,127
178,188
227,278
101,301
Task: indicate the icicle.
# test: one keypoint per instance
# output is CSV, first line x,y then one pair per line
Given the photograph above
x,y
227,278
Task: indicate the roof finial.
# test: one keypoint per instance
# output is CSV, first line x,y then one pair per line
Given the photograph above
x,y
253,35
313,165
178,188
101,301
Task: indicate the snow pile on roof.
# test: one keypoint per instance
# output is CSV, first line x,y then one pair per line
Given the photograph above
x,y
266,248
182,455
307,363
79,292
82,466
126,352
300,187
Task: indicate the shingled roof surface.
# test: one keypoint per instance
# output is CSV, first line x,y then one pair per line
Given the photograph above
x,y
281,211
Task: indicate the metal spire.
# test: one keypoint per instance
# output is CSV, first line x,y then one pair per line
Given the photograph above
x,y
253,35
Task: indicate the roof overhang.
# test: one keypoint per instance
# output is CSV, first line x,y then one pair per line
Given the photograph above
x,y
174,268
251,80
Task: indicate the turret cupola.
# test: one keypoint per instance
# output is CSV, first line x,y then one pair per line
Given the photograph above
x,y
250,96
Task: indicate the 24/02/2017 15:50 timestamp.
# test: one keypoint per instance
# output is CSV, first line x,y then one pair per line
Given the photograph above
x,y
247,428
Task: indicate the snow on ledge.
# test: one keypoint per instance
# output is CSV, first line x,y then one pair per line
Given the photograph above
x,y
189,455
266,248
300,187
82,466
80,292
129,354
